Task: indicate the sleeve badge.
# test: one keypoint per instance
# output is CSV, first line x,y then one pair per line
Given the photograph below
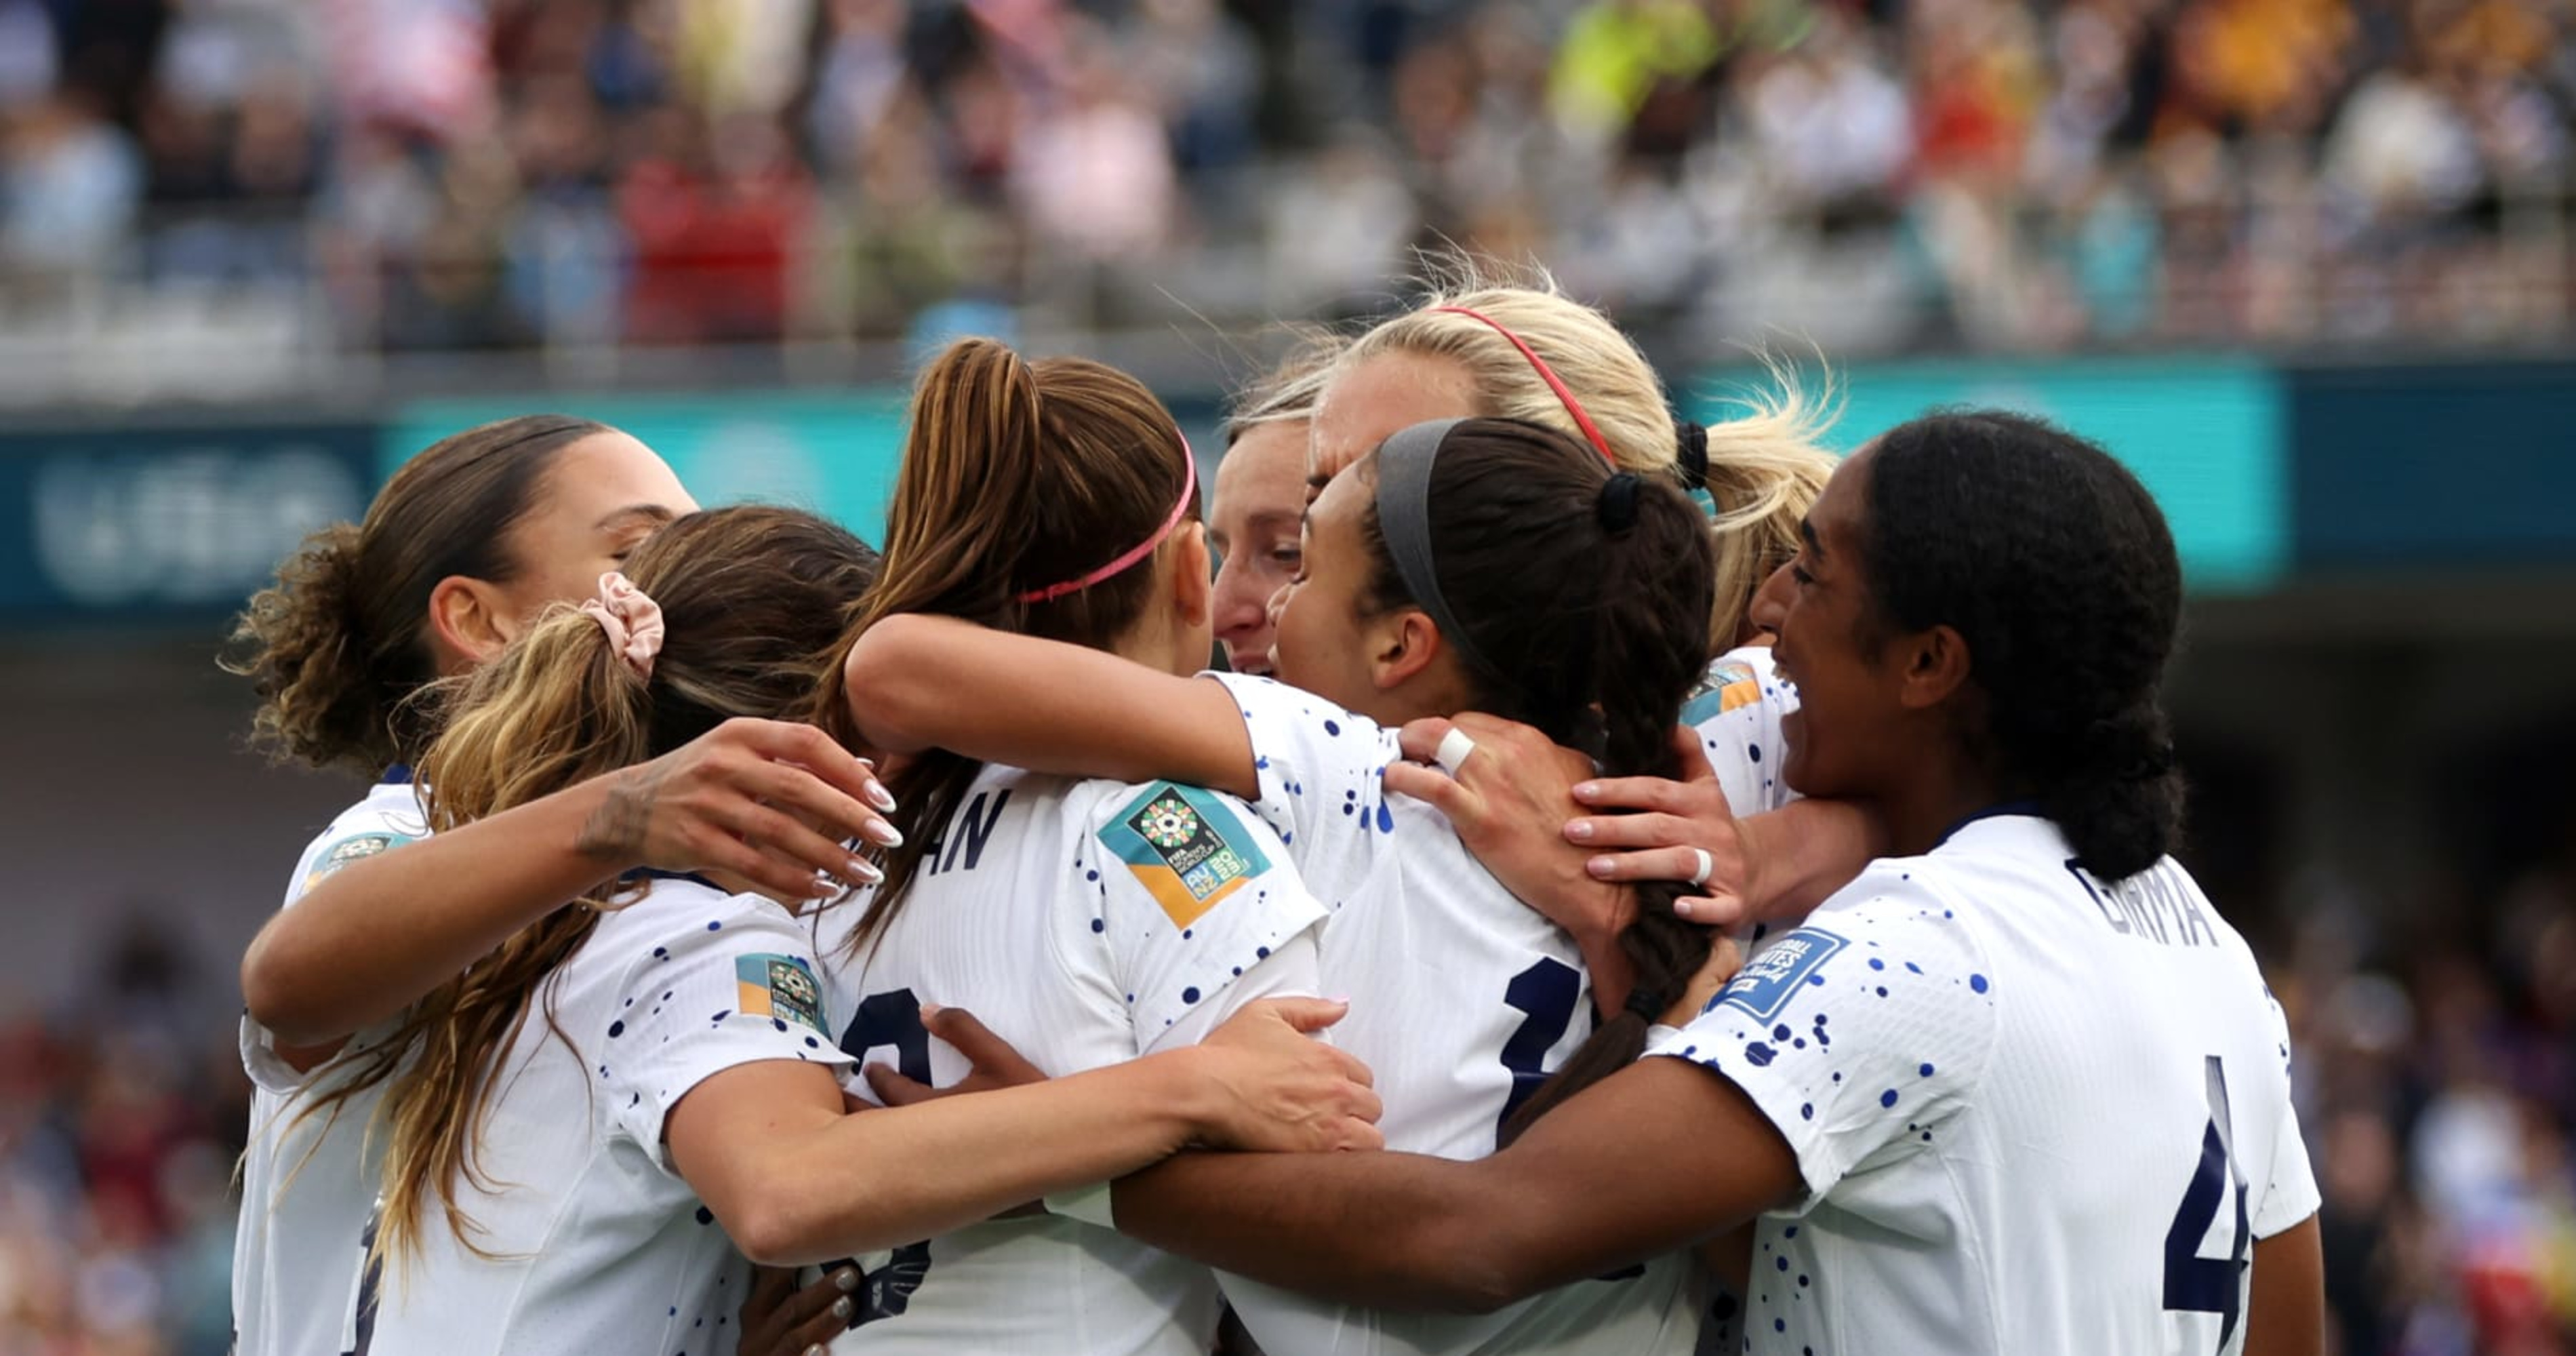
x,y
782,988
1186,848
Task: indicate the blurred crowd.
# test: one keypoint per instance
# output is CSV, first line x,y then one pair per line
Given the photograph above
x,y
2436,1080
1874,173
123,1108
2435,1073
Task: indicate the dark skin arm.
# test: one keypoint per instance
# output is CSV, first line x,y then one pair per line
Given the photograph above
x,y
2287,1316
1402,1231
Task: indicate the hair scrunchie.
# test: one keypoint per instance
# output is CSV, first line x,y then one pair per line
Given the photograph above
x,y
1692,464
1617,506
632,621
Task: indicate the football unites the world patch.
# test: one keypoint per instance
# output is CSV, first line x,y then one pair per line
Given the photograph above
x,y
1772,976
354,848
1185,847
781,987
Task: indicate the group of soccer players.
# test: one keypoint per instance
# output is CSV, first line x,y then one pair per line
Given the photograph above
x,y
929,928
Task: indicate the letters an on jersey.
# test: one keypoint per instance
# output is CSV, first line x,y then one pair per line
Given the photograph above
x,y
1186,849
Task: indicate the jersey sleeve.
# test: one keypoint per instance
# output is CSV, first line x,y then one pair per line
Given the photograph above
x,y
1737,712
364,831
734,983
1322,775
1194,892
2290,1191
1858,1035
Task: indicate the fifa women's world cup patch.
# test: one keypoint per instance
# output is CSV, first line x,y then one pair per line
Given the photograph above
x,y
1730,684
356,847
1188,850
782,988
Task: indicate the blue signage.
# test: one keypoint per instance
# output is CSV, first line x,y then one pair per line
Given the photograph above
x,y
2210,438
140,523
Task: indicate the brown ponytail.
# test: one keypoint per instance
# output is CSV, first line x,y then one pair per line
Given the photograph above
x,y
754,600
336,648
1586,592
1016,476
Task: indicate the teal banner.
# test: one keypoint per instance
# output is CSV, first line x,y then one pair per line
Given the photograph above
x,y
2210,438
833,454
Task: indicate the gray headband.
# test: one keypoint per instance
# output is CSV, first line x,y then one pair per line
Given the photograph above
x,y
1404,465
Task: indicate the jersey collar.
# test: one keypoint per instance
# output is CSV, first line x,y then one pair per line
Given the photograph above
x,y
2004,810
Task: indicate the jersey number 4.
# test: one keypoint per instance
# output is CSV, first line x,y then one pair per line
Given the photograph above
x,y
2210,1285
889,1019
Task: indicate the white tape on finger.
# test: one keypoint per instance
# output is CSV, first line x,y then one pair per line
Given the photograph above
x,y
1453,750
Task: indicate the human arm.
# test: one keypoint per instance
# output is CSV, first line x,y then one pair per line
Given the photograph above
x,y
376,935
918,682
1564,1202
1799,1085
794,1181
2287,1314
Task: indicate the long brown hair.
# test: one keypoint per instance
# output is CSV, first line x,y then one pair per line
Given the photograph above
x,y
1583,591
1016,476
754,603
337,647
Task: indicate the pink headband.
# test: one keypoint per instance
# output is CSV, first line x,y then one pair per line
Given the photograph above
x,y
1189,496
1547,374
632,620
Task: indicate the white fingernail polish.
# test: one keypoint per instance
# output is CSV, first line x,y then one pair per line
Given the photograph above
x,y
881,798
882,834
865,872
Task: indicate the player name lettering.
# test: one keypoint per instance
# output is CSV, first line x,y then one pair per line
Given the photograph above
x,y
2151,906
965,835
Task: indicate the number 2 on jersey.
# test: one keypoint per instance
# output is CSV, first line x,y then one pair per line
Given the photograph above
x,y
889,1019
2210,1285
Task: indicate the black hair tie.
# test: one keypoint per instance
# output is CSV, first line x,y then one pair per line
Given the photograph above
x,y
1617,506
1692,466
1643,1005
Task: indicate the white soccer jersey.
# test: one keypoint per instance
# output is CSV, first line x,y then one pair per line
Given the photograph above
x,y
2034,1112
1463,1000
1737,711
597,1243
1087,922
309,1186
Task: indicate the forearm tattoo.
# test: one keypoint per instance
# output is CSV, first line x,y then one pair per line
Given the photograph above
x,y
617,828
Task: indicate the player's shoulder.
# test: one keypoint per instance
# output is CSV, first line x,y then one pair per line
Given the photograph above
x,y
1740,679
1900,919
1269,704
1166,825
679,902
387,817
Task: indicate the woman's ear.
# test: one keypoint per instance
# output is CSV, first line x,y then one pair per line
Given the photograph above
x,y
1194,575
1402,644
469,622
